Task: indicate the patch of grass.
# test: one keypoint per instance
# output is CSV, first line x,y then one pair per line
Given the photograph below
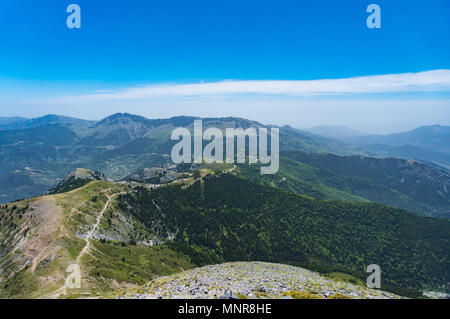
x,y
20,285
339,276
260,294
74,246
130,264
339,296
296,294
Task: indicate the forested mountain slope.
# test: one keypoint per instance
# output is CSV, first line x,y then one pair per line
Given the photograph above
x,y
409,185
227,219
146,231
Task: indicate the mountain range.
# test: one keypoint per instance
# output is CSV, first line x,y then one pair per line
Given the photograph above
x,y
426,143
106,197
334,131
17,123
4,121
36,156
43,150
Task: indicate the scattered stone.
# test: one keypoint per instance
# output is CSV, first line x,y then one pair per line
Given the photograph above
x,y
251,280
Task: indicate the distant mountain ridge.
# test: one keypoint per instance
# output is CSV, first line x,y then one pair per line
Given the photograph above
x,y
170,220
408,151
11,120
334,131
425,143
434,137
42,121
123,144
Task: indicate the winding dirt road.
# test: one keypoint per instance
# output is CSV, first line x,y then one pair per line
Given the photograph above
x,y
99,217
63,289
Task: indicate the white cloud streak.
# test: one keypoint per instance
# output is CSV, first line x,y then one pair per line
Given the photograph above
x,y
427,81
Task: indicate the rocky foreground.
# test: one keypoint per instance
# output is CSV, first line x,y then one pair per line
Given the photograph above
x,y
251,280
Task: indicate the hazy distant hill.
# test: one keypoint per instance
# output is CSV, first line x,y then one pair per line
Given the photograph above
x,y
334,131
426,143
11,120
409,152
52,134
435,137
41,121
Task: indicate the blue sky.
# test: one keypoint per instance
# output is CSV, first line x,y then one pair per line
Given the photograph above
x,y
46,67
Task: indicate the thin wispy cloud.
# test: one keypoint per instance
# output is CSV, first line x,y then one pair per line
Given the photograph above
x,y
428,81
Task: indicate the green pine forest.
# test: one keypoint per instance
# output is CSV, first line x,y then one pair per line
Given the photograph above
x,y
227,218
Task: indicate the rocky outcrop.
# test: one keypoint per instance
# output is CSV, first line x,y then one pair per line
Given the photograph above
x,y
75,179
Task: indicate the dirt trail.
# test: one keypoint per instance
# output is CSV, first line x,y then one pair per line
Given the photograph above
x,y
230,170
63,289
88,243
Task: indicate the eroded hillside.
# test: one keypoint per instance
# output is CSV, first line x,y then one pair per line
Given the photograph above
x,y
41,237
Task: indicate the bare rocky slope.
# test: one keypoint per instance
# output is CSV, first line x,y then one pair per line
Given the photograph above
x,y
251,280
